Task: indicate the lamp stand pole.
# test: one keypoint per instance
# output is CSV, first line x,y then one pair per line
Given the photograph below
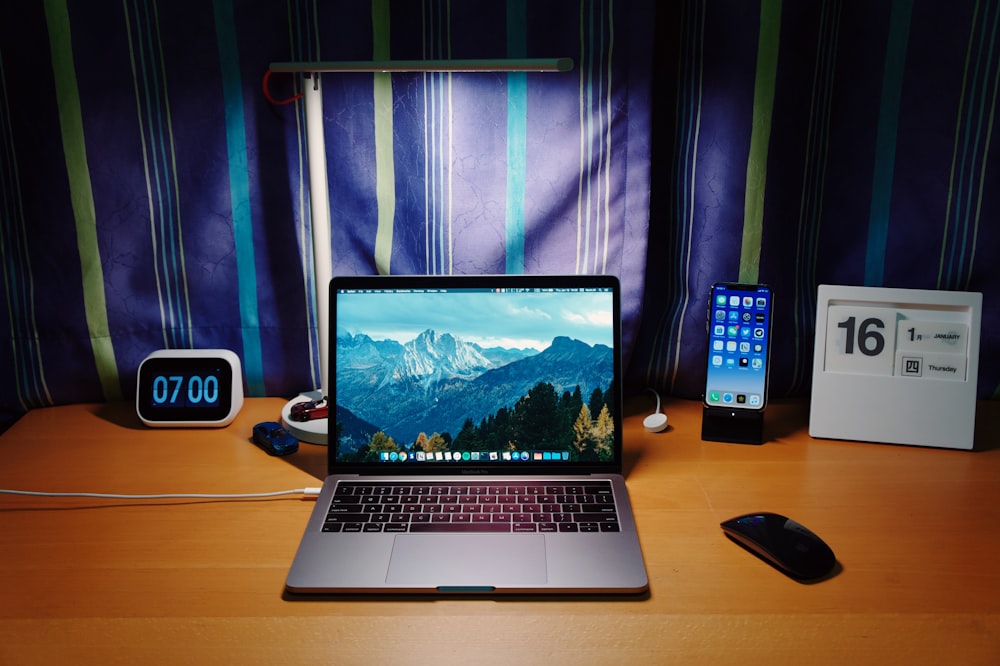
x,y
315,431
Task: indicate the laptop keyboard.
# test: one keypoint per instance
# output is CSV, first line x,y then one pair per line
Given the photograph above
x,y
540,506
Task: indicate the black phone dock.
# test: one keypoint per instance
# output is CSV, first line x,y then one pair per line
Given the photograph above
x,y
739,426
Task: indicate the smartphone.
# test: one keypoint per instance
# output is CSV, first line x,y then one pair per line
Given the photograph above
x,y
739,346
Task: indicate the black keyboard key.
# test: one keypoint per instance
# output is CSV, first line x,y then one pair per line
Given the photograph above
x,y
460,527
346,518
596,517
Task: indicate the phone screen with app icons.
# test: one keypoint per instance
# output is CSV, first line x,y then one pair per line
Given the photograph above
x,y
739,336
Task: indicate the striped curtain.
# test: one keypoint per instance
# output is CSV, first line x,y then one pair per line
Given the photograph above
x,y
804,143
154,195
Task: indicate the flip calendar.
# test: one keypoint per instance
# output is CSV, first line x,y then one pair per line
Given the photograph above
x,y
896,366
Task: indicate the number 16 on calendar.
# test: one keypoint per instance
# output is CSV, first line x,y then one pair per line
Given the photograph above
x,y
886,341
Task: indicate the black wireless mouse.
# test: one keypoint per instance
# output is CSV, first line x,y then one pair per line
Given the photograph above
x,y
781,541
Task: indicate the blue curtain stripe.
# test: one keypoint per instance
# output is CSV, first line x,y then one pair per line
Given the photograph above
x,y
885,155
239,184
517,133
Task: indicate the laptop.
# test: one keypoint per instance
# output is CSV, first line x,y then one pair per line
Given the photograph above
x,y
475,442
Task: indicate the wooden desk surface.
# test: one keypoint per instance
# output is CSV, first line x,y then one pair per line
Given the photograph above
x,y
100,581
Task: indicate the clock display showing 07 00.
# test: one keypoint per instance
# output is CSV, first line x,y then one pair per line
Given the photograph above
x,y
891,341
186,390
189,388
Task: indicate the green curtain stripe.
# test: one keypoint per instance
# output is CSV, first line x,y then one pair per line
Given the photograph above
x,y
239,187
81,196
385,168
517,137
885,142
760,138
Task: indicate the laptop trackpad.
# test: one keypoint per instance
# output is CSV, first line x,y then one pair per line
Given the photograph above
x,y
477,560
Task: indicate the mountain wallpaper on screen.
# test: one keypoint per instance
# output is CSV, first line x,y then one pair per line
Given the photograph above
x,y
438,392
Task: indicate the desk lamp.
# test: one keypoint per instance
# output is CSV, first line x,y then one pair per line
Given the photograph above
x,y
315,430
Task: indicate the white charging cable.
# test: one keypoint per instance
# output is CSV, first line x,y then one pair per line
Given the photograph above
x,y
307,493
657,421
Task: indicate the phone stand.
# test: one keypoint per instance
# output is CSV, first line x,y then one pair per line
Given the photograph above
x,y
739,426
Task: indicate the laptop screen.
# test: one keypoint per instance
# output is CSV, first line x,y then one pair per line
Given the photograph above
x,y
449,372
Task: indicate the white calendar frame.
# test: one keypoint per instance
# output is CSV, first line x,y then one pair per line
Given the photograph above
x,y
850,403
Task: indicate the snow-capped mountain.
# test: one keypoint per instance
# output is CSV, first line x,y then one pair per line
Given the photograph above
x,y
433,357
436,381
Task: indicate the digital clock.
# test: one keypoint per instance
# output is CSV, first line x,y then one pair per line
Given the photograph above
x,y
185,388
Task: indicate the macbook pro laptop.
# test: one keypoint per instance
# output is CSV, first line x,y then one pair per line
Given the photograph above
x,y
475,440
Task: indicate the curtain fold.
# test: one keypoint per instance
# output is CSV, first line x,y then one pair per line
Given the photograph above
x,y
153,196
